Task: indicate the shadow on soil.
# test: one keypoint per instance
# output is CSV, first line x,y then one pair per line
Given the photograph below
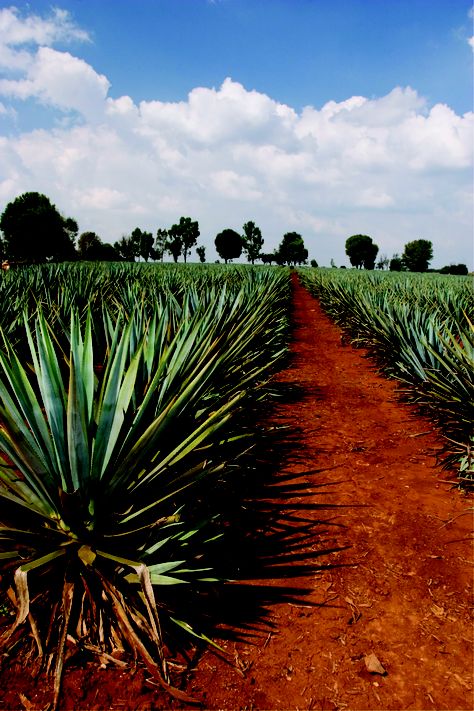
x,y
278,534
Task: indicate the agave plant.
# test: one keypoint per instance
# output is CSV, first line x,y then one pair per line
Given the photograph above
x,y
96,522
418,329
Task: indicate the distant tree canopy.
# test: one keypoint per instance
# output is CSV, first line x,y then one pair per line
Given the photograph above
x,y
361,251
125,248
91,247
33,229
185,234
396,264
161,241
460,269
252,241
417,255
228,244
291,250
201,253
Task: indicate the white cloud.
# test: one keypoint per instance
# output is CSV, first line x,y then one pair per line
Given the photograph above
x,y
58,79
391,166
18,34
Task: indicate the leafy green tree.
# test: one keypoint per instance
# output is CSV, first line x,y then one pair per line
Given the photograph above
x,y
252,241
174,244
396,264
228,244
33,229
361,251
161,241
89,245
201,253
291,249
314,263
383,262
126,248
460,269
188,232
267,258
417,255
146,246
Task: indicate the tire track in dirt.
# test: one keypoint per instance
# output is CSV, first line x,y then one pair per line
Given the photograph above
x,y
404,589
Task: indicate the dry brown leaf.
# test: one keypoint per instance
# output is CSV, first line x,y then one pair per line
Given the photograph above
x,y
26,702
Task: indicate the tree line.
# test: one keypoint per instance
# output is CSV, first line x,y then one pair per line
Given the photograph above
x,y
416,257
33,230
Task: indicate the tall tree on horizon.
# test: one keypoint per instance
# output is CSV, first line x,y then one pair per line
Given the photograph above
x,y
228,244
252,241
417,255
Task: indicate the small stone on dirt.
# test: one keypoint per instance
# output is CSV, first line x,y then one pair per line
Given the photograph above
x,y
373,665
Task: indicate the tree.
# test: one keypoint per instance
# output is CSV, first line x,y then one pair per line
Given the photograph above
x,y
33,229
252,241
146,246
417,255
291,249
174,244
267,258
89,245
228,244
396,264
201,253
188,231
314,263
361,251
125,248
459,269
161,240
383,262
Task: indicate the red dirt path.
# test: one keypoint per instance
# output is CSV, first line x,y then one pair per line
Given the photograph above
x,y
401,589
405,594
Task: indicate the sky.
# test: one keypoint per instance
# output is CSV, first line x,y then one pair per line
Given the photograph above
x,y
324,117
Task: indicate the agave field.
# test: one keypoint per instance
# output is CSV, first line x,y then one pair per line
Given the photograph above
x,y
122,389
419,327
127,394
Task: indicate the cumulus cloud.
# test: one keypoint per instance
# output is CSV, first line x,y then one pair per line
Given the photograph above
x,y
58,79
18,34
392,166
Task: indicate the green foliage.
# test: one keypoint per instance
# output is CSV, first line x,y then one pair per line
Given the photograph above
x,y
115,409
418,329
361,251
396,264
34,230
459,269
291,250
252,241
182,237
201,253
417,255
161,241
228,244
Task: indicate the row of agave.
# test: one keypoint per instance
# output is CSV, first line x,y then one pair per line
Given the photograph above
x,y
419,328
113,416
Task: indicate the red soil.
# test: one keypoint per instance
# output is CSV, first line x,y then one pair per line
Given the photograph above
x,y
399,589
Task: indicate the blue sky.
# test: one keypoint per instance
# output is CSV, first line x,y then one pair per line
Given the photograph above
x,y
328,117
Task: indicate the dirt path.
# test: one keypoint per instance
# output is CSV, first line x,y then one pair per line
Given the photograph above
x,y
405,588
